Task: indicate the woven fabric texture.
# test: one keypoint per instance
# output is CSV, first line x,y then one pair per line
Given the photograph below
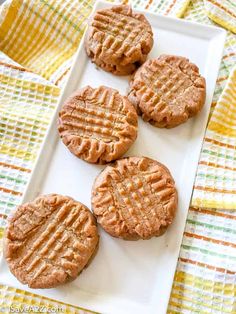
x,y
37,42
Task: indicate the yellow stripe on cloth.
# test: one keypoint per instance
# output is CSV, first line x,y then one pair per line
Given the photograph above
x,y
222,22
48,31
222,12
191,292
20,299
223,120
215,203
221,129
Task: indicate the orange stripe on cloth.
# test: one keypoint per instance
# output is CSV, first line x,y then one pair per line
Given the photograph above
x,y
211,267
214,190
14,167
209,140
10,191
229,55
222,7
201,237
149,3
223,78
15,67
170,7
212,212
211,164
62,75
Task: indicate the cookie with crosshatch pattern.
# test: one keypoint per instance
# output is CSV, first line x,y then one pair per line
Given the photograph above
x,y
98,124
167,91
134,198
50,240
118,39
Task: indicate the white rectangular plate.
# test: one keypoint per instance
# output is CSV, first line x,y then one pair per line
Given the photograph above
x,y
128,277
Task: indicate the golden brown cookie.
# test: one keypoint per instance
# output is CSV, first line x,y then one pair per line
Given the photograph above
x,y
134,198
98,124
50,240
118,39
167,91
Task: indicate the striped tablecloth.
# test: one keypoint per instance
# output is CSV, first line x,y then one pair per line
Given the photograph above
x,y
37,42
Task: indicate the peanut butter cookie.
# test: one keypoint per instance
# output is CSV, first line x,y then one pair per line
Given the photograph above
x,y
50,240
167,91
134,198
98,124
119,40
